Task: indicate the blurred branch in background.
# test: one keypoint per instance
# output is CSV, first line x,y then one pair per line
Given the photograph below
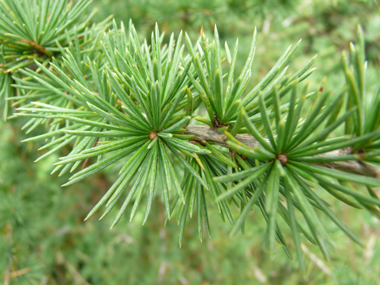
x,y
326,27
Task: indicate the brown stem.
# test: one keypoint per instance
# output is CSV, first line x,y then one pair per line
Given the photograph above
x,y
205,134
35,45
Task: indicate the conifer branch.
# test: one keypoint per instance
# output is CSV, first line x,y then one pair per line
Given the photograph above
x,y
205,134
117,101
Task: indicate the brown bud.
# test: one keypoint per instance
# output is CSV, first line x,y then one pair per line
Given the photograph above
x,y
153,135
283,159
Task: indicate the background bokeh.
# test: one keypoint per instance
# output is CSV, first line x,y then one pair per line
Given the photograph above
x,y
45,241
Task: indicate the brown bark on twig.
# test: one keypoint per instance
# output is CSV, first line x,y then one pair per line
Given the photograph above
x,y
205,134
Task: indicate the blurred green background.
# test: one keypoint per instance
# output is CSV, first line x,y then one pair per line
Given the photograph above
x,y
45,241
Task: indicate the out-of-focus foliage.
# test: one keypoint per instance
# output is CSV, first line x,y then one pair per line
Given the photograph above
x,y
38,31
326,27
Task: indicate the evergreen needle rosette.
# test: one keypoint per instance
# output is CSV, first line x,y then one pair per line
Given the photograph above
x,y
152,90
222,94
366,119
288,167
137,112
52,85
38,30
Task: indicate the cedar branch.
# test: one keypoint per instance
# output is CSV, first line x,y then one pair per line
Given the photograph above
x,y
205,134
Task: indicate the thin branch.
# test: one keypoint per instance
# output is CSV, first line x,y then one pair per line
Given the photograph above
x,y
206,134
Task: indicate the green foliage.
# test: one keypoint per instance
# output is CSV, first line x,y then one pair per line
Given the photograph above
x,y
38,31
116,101
44,236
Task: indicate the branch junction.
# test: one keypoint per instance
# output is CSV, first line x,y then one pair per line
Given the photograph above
x,y
205,134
